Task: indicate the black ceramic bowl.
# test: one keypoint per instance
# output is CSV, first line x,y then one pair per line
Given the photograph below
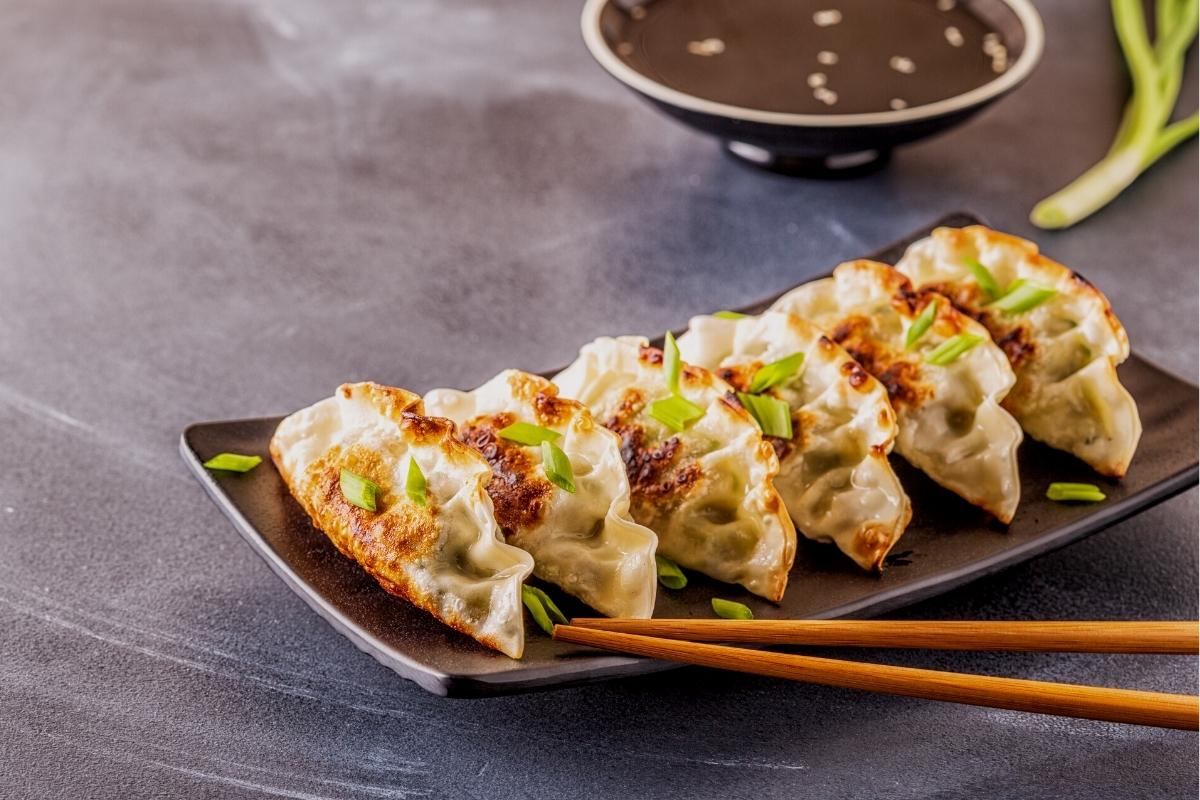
x,y
818,144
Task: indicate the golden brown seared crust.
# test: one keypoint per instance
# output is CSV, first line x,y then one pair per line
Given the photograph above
x,y
968,237
1012,336
518,492
739,377
899,376
654,473
856,376
550,409
688,374
396,533
383,541
389,401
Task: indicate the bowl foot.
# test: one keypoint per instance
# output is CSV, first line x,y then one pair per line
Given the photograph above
x,y
837,165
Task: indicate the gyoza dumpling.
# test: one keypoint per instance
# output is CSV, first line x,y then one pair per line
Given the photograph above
x,y
945,388
583,541
707,491
1059,332
446,556
834,474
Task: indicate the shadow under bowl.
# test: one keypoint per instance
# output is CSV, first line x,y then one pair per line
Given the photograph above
x,y
818,145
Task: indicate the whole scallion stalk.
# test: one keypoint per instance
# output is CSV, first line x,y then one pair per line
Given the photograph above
x,y
1145,134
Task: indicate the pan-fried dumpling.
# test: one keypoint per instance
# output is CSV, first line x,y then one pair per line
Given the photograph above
x,y
1059,333
446,556
945,388
707,491
583,541
834,475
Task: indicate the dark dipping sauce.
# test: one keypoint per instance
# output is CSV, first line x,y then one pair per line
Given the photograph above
x,y
810,56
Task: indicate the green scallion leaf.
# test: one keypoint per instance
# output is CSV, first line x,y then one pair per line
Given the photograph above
x,y
950,350
527,434
921,324
983,277
669,573
672,364
537,610
414,483
775,373
1022,296
676,412
557,467
1075,492
729,315
233,462
772,415
548,603
728,609
357,490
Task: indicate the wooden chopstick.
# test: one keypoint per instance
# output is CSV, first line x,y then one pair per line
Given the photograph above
x,y
1161,637
1064,699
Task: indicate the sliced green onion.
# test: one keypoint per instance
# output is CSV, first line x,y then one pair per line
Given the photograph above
x,y
357,490
1022,296
921,324
983,276
775,373
233,462
414,483
672,365
547,603
533,602
1077,492
669,573
772,415
729,315
949,351
557,467
728,609
676,412
525,433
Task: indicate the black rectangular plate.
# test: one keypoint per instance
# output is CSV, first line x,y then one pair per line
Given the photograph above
x,y
948,544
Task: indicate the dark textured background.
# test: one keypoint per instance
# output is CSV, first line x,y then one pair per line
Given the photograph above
x,y
217,210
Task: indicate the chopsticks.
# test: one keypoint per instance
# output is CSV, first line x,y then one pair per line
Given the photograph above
x,y
1063,699
1160,637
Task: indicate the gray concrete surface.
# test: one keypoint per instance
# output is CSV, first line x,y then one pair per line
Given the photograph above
x,y
219,209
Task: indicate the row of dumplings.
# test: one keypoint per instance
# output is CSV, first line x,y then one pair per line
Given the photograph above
x,y
715,450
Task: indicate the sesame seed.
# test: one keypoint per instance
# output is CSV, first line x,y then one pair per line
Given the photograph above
x,y
902,64
946,5
625,49
897,104
817,79
828,17
954,36
827,57
826,96
706,47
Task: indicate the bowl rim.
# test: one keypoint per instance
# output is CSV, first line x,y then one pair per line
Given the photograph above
x,y
1030,20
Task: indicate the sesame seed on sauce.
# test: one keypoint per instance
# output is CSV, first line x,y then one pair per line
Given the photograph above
x,y
706,47
902,64
827,17
826,96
